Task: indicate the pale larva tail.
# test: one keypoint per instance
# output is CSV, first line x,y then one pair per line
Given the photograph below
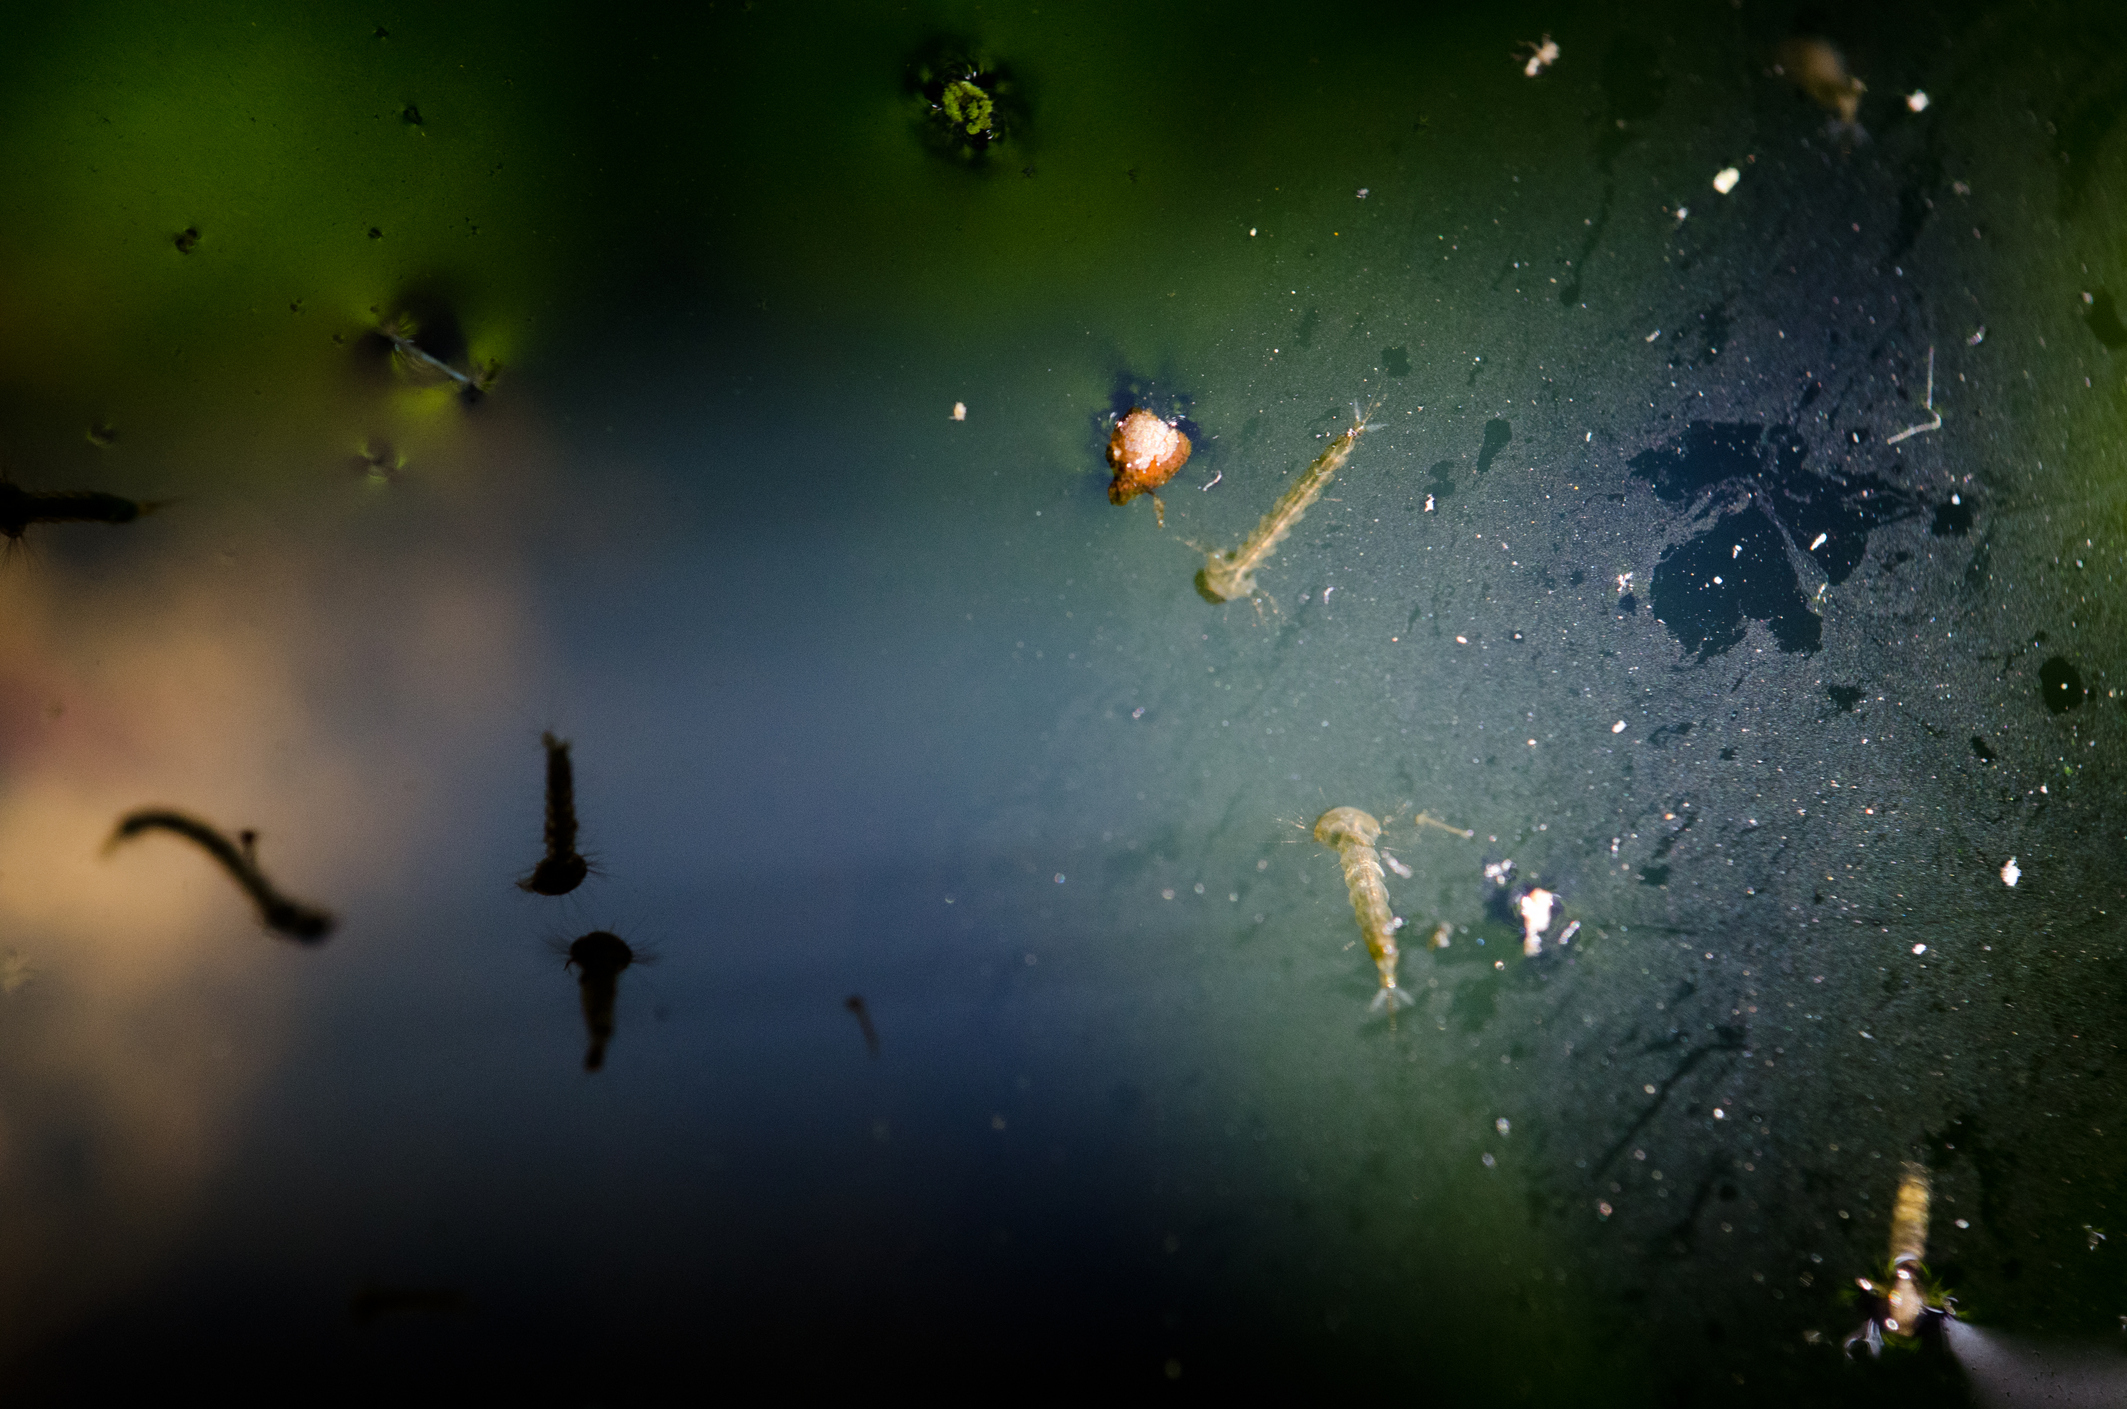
x,y
1388,1000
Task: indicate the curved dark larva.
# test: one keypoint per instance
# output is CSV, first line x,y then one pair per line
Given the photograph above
x,y
292,918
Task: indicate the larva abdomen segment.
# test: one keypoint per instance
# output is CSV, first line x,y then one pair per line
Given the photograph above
x,y
1228,575
1353,833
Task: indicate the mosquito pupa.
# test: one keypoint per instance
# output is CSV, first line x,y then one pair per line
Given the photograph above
x,y
279,914
1231,574
855,1004
561,870
598,959
1353,833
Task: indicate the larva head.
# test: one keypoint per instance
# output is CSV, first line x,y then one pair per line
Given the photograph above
x,y
556,875
1219,581
1347,824
601,953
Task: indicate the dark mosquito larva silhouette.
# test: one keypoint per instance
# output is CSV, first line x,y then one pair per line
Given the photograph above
x,y
855,1004
280,914
19,508
598,959
561,870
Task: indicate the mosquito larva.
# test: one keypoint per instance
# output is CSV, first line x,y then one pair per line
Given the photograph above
x,y
598,959
561,870
855,1004
19,508
277,911
1231,574
1353,833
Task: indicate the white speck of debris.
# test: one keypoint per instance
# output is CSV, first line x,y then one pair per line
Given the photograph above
x,y
1541,57
1588,437
1920,949
1251,232
1725,180
1429,503
1963,1223
1623,579
2087,298
1683,213
2011,873
1536,909
1462,640
960,410
1325,595
1979,335
1719,1114
1717,579
1571,930
1652,336
1819,541
1489,1161
1618,728
1362,193
1917,101
1501,1125
1498,871
1399,868
1869,1035
1957,499
1736,553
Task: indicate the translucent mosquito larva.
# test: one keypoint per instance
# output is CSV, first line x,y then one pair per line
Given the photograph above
x,y
19,508
598,959
561,870
1904,1303
855,1004
277,911
1353,833
1231,574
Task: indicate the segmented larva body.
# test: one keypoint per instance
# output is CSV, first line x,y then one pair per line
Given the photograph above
x,y
1232,574
19,508
1353,833
561,870
1909,1248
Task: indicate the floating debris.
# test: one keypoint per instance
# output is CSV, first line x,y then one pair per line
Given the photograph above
x,y
19,508
2011,873
1725,179
1934,423
1916,101
960,410
1145,451
1819,70
855,1003
1537,56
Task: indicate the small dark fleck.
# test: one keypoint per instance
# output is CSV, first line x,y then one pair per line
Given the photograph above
x,y
186,239
1628,604
411,116
2060,685
382,32
1981,751
375,233
1844,696
1728,753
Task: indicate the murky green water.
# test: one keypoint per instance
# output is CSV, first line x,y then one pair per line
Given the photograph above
x,y
1630,578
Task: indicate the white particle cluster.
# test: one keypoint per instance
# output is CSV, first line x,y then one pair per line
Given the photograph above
x,y
2010,873
1725,180
1917,101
